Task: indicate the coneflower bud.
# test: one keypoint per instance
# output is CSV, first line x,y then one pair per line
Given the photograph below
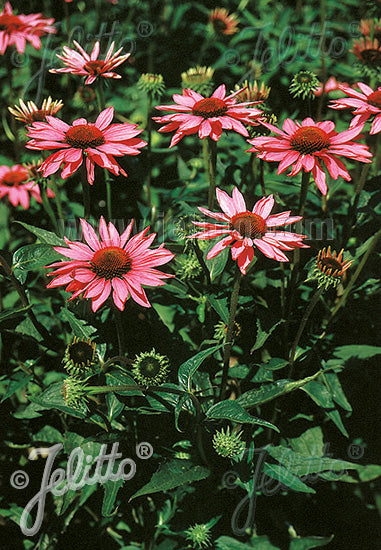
x,y
79,357
303,84
152,84
198,79
329,268
150,368
199,535
227,444
74,392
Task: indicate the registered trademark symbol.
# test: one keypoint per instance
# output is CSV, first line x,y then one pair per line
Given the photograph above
x,y
144,450
355,451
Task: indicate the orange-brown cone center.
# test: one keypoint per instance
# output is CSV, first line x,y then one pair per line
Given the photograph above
x,y
111,262
249,225
371,56
14,178
94,67
309,139
84,136
375,99
209,107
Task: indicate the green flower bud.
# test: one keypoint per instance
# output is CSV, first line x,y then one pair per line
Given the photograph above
x,y
150,368
79,357
227,444
199,535
303,84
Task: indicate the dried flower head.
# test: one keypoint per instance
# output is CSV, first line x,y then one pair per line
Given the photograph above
x,y
303,84
223,22
198,79
74,392
150,368
199,535
250,91
29,112
227,444
329,268
152,84
79,357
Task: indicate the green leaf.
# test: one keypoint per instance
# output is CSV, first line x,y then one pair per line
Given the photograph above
x,y
187,369
319,393
357,350
18,381
44,236
111,489
370,472
306,543
9,314
262,336
280,473
302,465
166,314
231,410
172,474
48,434
79,327
217,264
275,363
335,389
220,307
32,257
258,542
118,377
310,443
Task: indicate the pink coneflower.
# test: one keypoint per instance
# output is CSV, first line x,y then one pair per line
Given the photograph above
x,y
366,104
18,29
368,51
207,115
223,22
249,229
112,264
89,65
16,185
332,85
308,145
97,143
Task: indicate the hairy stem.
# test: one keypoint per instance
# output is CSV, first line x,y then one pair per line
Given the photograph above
x,y
229,333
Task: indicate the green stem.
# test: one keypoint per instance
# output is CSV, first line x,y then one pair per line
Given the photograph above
x,y
57,199
210,159
201,261
25,302
47,206
85,191
353,208
120,331
101,106
149,150
356,274
303,192
302,325
230,330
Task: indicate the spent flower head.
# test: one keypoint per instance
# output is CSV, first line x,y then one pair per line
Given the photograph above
x,y
303,84
223,22
150,368
250,91
188,266
329,268
228,444
79,357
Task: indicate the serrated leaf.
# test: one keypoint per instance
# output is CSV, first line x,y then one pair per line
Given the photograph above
x,y
357,350
32,257
280,473
79,327
187,369
310,443
231,410
172,474
44,236
337,393
275,363
262,336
